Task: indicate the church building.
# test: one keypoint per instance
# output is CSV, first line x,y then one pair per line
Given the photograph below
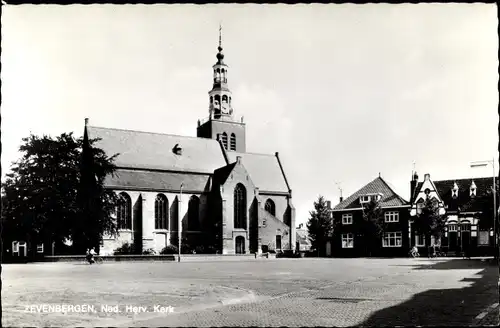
x,y
208,188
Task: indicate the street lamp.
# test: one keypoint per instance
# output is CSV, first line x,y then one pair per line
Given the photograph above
x,y
179,224
483,164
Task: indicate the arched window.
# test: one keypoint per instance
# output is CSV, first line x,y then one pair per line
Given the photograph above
x,y
224,140
233,142
161,212
194,213
240,206
124,212
224,98
270,207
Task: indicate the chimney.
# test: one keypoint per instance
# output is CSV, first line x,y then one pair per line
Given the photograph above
x,y
238,159
413,185
341,199
427,176
329,204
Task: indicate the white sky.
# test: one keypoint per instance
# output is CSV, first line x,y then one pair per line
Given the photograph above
x,y
343,92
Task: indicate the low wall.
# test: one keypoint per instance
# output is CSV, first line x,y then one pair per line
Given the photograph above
x,y
172,257
110,258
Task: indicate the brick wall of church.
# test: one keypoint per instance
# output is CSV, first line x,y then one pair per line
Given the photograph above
x,y
151,237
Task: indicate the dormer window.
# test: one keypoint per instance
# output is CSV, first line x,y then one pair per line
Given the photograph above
x,y
473,189
454,190
365,199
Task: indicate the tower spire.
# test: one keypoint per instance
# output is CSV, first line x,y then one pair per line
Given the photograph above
x,y
220,55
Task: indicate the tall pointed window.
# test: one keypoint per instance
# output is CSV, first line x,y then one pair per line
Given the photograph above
x,y
194,214
270,207
161,212
240,206
224,140
233,142
124,212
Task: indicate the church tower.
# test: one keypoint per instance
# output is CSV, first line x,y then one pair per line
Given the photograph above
x,y
221,123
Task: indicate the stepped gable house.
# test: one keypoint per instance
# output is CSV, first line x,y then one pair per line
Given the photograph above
x,y
349,240
223,195
457,200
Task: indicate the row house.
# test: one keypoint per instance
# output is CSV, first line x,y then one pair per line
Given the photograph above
x,y
457,199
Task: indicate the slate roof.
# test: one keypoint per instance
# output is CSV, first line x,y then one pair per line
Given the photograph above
x,y
148,150
264,170
389,198
157,180
464,200
223,173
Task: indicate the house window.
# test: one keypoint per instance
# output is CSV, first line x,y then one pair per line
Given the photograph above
x,y
346,218
365,199
124,212
161,212
419,241
233,141
452,227
264,222
465,227
240,206
224,140
392,239
472,192
270,207
347,240
392,217
39,248
15,247
484,238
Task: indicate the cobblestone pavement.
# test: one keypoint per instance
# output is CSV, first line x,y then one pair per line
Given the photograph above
x,y
281,292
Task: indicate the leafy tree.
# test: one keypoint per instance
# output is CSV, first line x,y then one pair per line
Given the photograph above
x,y
40,194
428,221
373,225
320,225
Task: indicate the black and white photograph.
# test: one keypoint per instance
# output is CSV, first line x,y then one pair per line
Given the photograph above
x,y
209,165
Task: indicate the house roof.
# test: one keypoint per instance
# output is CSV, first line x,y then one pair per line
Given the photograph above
x,y
389,198
157,180
464,200
264,170
148,150
302,237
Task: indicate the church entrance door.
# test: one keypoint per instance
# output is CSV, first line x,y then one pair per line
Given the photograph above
x,y
240,245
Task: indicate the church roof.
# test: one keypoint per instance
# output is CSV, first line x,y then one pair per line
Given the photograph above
x,y
157,180
264,170
146,150
389,196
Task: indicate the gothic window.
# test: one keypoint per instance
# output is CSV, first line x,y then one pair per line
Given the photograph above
x,y
240,206
124,212
194,214
270,207
224,140
233,142
161,212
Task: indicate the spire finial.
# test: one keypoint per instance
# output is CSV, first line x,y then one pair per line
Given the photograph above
x,y
220,36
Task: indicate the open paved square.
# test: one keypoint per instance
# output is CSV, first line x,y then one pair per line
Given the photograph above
x,y
262,292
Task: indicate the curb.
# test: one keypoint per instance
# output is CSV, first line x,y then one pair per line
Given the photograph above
x,y
490,310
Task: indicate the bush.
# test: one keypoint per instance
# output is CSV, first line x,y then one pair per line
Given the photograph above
x,y
170,249
126,248
149,251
